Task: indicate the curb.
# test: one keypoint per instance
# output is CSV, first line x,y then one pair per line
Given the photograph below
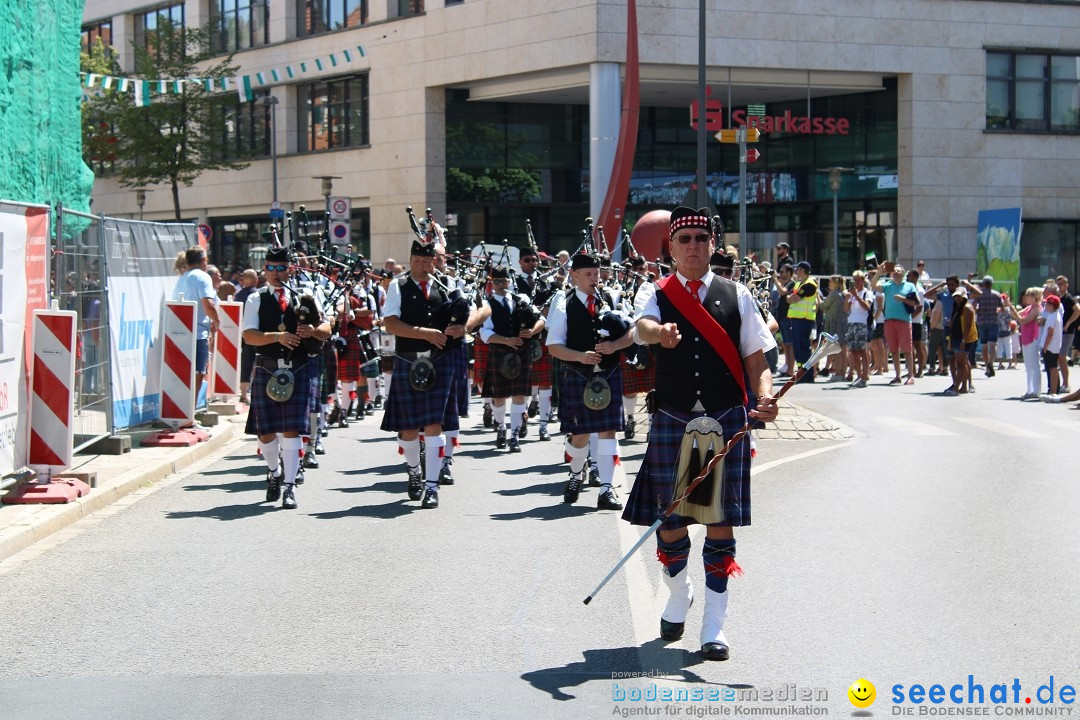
x,y
21,535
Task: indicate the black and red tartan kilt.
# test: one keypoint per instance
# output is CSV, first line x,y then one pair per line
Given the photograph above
x,y
350,358
267,416
481,350
543,370
637,381
576,418
408,409
328,386
461,378
497,386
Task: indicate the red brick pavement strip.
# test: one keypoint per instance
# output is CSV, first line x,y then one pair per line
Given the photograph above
x,y
117,477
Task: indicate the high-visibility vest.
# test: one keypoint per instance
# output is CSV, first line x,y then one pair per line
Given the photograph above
x,y
805,308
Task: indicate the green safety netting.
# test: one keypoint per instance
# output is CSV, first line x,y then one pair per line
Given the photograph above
x,y
40,96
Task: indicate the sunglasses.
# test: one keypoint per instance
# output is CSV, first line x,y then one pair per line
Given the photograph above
x,y
530,259
702,238
277,268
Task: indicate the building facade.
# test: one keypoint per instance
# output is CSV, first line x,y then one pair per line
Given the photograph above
x,y
495,111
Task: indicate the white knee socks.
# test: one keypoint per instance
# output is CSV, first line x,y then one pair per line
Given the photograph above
x,y
290,457
577,456
270,454
433,460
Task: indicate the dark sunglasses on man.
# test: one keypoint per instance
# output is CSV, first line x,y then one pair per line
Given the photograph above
x,y
684,239
277,268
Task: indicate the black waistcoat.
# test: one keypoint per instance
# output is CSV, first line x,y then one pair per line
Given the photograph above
x,y
582,329
502,319
271,318
421,312
692,370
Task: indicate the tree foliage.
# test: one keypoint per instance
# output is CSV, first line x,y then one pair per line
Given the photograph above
x,y
484,166
179,135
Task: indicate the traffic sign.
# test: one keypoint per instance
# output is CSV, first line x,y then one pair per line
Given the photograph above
x,y
751,155
340,208
749,134
727,136
734,135
277,213
340,230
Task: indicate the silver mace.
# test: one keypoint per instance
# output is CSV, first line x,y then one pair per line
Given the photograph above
x,y
827,345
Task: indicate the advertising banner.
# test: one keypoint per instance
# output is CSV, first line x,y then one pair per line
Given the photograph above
x,y
24,249
997,248
140,259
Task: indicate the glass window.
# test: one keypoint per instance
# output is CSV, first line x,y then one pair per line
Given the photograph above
x,y
239,24
1029,91
410,7
321,16
244,128
98,31
148,23
334,114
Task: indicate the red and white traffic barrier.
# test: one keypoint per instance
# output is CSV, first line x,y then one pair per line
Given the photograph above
x,y
178,363
52,406
226,362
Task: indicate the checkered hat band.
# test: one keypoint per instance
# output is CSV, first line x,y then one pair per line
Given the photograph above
x,y
696,221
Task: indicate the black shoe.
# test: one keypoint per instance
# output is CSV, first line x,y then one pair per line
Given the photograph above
x,y
369,408
416,484
288,502
990,371
310,461
544,432
431,499
273,485
377,402
446,474
334,415
534,408
300,475
500,439
514,446
631,428
594,476
608,500
670,630
360,414
319,449
323,432
573,488
343,422
523,430
714,651
489,417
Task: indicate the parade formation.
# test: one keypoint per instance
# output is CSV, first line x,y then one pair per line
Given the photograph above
x,y
336,340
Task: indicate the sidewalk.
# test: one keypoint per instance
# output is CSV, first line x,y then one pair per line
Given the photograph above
x,y
117,477
121,475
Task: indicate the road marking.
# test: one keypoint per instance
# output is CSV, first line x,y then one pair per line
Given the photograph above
x,y
756,469
913,427
999,427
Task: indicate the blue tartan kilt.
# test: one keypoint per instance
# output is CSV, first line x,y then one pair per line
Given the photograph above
x,y
266,416
316,366
497,386
654,486
462,391
580,420
329,375
408,409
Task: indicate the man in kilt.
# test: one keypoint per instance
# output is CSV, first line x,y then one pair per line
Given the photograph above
x,y
354,329
416,312
542,371
506,331
706,365
271,325
574,338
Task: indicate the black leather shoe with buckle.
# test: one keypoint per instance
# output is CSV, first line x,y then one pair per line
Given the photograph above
x,y
573,488
416,484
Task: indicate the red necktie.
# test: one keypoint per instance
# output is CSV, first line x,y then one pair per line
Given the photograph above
x,y
592,305
694,286
423,289
281,299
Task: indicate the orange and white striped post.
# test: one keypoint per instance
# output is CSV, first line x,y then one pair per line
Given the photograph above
x,y
178,363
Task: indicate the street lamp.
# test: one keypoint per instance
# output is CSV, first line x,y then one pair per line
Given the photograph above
x,y
327,186
273,103
834,185
140,199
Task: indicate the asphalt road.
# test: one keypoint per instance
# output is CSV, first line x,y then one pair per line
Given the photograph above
x,y
939,543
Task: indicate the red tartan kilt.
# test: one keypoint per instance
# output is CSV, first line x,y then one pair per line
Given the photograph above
x,y
349,361
638,381
543,369
480,359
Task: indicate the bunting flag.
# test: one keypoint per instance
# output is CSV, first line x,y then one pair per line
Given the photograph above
x,y
145,89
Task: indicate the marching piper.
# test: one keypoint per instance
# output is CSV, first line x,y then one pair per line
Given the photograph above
x,y
709,343
281,385
540,291
424,387
591,377
509,327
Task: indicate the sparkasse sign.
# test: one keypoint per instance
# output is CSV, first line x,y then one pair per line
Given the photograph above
x,y
791,123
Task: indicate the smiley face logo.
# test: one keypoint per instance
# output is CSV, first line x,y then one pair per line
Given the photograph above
x,y
862,693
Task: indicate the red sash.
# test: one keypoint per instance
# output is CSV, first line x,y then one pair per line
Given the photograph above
x,y
705,324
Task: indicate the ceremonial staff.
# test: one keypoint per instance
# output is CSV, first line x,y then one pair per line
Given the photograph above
x,y
827,345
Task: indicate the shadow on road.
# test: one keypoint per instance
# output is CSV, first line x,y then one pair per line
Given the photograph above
x,y
224,512
600,664
386,487
534,470
395,469
235,487
396,509
556,511
552,489
256,469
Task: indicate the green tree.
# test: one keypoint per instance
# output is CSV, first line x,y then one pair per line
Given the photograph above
x,y
179,135
485,166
